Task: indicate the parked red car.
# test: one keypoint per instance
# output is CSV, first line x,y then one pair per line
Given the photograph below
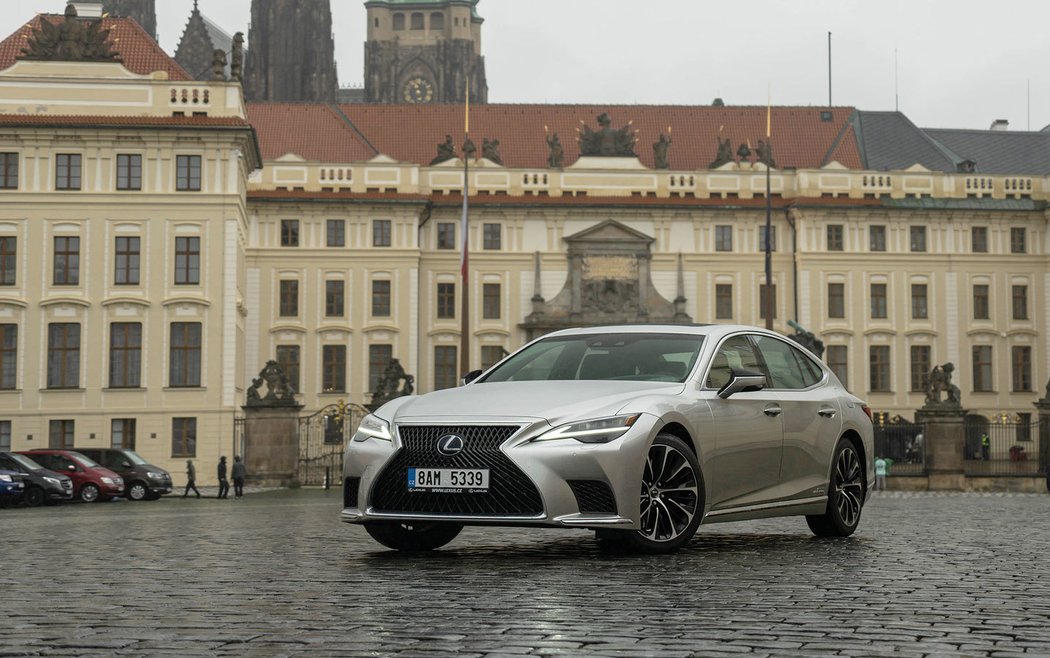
x,y
91,481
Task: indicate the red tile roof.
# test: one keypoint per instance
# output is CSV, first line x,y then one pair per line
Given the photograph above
x,y
411,133
138,51
313,131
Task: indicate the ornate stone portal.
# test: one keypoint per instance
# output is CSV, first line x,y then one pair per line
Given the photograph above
x,y
609,283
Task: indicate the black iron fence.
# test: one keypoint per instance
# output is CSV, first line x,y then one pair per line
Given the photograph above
x,y
1003,445
900,443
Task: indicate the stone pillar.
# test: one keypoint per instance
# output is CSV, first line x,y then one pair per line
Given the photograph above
x,y
271,445
944,437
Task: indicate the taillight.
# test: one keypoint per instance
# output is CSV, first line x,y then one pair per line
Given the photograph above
x,y
867,410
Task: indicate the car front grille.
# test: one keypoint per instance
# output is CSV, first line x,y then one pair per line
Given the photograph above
x,y
510,492
593,496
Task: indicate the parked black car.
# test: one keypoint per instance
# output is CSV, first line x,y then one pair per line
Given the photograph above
x,y
142,480
42,485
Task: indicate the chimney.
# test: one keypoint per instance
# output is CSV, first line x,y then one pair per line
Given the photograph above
x,y
87,9
1000,125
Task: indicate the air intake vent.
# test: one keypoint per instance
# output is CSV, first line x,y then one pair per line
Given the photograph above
x,y
593,496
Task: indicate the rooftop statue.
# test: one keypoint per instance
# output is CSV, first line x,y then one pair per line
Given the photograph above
x,y
218,65
446,150
490,150
279,391
765,154
556,159
237,61
389,385
71,40
660,149
725,153
607,141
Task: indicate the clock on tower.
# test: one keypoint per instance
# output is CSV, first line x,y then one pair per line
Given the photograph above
x,y
418,91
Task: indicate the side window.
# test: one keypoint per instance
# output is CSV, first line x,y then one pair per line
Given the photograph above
x,y
784,368
64,464
736,353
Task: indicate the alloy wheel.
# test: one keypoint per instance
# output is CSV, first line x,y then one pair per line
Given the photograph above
x,y
848,486
669,495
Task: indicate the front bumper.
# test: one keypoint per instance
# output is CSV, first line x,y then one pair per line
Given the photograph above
x,y
11,488
554,467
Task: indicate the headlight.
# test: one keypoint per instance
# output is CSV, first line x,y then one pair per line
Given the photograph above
x,y
373,428
107,480
5,478
155,476
54,481
600,430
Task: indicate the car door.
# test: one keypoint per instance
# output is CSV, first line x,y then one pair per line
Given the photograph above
x,y
811,416
746,430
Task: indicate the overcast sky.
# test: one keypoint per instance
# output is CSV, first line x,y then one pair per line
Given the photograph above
x,y
959,63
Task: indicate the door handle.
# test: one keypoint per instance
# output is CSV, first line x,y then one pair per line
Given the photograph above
x,y
772,411
827,413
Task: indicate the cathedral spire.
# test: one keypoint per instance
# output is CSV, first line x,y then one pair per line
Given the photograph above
x,y
292,55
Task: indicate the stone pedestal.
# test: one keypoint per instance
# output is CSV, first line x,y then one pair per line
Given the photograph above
x,y
271,445
944,437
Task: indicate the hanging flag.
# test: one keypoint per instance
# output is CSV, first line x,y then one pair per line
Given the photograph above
x,y
464,226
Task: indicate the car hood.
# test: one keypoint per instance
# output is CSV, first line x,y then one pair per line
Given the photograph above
x,y
553,401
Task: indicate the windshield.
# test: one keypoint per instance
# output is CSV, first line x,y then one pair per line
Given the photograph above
x,y
83,460
627,357
26,462
133,457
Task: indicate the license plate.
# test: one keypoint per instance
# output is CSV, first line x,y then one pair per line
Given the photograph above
x,y
448,480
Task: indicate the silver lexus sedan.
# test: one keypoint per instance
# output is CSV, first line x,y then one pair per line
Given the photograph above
x,y
640,433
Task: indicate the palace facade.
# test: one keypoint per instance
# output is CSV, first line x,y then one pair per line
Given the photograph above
x,y
161,240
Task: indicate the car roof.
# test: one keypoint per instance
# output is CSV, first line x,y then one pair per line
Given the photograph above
x,y
712,330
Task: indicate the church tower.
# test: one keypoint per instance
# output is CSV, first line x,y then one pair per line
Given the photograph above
x,y
143,11
199,41
424,51
292,54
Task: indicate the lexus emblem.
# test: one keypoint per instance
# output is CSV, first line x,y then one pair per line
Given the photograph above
x,y
450,445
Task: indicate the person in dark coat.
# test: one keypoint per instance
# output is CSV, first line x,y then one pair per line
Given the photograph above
x,y
238,472
191,479
224,484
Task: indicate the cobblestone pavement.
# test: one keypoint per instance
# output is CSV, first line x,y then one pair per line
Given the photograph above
x,y
276,573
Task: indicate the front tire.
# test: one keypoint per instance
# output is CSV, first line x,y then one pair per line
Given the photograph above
x,y
89,493
34,497
845,495
137,491
671,500
413,536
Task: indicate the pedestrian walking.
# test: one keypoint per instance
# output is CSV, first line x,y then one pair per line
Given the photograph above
x,y
880,474
986,447
191,479
224,484
238,472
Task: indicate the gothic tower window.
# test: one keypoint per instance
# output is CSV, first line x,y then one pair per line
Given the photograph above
x,y
417,21
437,21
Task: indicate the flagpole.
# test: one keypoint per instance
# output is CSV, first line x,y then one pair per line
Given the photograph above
x,y
769,217
464,329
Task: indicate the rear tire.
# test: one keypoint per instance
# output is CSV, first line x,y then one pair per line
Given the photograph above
x,y
137,491
845,495
34,497
413,536
89,493
672,500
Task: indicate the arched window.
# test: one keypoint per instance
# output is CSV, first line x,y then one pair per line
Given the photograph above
x,y
417,21
437,21
399,21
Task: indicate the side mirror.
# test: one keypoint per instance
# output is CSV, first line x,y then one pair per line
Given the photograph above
x,y
471,376
742,381
71,468
125,464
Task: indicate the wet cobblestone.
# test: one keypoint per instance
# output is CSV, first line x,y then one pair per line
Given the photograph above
x,y
276,574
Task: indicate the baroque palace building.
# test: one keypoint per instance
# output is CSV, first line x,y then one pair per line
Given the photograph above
x,y
161,240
